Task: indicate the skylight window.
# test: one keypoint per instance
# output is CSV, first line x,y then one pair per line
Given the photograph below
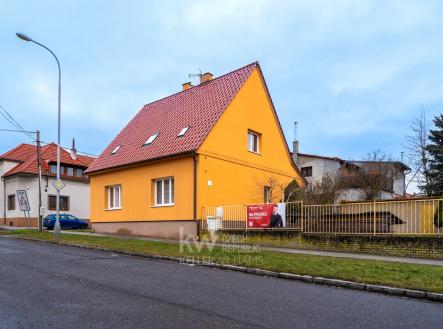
x,y
183,131
116,149
151,139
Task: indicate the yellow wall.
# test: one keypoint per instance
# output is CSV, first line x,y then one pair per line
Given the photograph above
x,y
237,175
136,184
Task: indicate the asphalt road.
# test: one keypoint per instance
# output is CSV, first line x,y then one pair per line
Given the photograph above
x,y
50,286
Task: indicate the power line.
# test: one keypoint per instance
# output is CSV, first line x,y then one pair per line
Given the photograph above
x,y
19,128
14,123
17,131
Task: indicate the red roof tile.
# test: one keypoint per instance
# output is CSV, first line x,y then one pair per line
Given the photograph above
x,y
26,154
199,107
19,153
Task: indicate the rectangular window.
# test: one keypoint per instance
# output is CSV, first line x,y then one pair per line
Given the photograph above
x,y
306,171
11,202
164,192
53,169
253,142
114,197
64,203
267,194
79,172
70,171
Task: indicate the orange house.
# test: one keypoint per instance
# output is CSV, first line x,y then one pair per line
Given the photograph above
x,y
216,143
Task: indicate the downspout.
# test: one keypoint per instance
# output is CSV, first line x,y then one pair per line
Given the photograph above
x,y
195,194
4,199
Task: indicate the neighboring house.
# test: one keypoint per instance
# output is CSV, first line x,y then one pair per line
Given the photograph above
x,y
391,175
19,171
212,144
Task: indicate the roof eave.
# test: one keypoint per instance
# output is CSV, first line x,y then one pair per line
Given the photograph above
x,y
138,163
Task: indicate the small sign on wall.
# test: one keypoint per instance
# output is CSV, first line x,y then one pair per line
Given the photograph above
x,y
23,201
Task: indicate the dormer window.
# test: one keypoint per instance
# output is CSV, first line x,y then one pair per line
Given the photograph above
x,y
151,139
183,131
116,149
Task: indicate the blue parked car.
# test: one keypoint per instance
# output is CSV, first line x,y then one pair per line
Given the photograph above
x,y
66,221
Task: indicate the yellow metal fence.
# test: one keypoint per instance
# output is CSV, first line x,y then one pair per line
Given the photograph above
x,y
415,217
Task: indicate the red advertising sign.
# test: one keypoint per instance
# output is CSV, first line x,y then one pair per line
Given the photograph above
x,y
260,215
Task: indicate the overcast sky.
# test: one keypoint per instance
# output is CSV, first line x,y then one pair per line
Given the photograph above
x,y
352,73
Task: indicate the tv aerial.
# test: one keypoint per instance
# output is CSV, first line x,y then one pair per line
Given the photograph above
x,y
196,75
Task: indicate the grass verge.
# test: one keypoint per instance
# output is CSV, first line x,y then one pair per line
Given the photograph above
x,y
402,275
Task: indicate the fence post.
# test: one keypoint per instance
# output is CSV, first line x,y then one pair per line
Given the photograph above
x,y
375,218
302,216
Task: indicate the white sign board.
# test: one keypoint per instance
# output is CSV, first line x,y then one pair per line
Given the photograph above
x,y
23,202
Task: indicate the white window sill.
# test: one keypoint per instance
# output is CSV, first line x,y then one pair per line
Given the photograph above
x,y
110,209
257,153
163,205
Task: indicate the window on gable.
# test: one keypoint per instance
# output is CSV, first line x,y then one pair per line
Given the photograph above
x,y
116,149
253,142
183,131
151,139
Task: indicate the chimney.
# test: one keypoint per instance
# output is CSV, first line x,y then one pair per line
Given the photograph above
x,y
295,145
73,150
205,77
187,85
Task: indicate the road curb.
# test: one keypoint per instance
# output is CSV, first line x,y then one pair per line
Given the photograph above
x,y
393,291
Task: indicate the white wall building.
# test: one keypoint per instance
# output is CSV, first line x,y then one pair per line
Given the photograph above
x,y
18,171
315,167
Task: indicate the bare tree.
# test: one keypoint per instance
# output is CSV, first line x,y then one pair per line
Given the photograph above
x,y
370,176
324,191
416,146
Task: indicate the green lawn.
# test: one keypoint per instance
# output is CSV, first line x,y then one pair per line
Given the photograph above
x,y
421,277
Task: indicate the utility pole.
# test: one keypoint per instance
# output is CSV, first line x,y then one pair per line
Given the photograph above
x,y
39,162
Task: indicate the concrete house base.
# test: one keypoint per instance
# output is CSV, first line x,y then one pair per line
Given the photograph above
x,y
161,229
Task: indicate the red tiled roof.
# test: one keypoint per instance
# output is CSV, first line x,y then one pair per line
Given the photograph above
x,y
199,107
26,154
19,153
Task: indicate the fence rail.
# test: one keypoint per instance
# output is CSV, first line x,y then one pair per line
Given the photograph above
x,y
418,217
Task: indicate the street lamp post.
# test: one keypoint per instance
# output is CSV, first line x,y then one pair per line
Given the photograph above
x,y
57,228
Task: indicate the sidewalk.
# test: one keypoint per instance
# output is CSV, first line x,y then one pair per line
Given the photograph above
x,y
408,260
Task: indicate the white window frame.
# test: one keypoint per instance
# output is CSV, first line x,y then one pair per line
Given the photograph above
x,y
251,135
183,131
171,191
115,150
151,139
115,200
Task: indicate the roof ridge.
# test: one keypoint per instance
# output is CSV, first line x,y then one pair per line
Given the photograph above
x,y
199,85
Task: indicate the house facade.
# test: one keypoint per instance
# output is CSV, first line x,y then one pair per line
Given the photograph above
x,y
216,143
19,171
388,176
